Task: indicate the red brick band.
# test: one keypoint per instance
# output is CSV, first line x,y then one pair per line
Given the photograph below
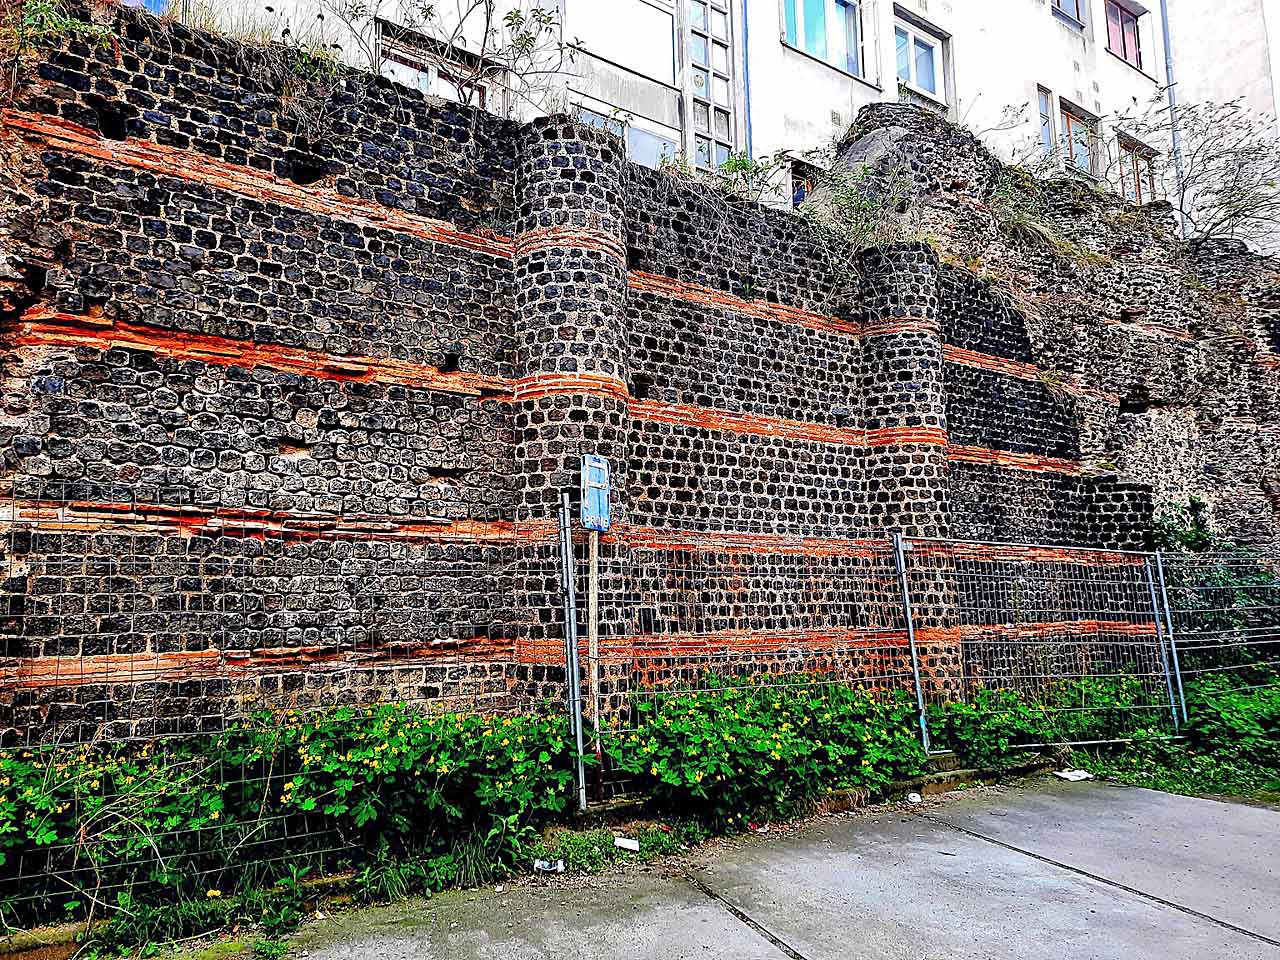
x,y
1015,368
705,296
40,328
84,517
247,182
1032,462
893,326
110,669
569,238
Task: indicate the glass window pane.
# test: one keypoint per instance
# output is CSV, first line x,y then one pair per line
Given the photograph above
x,y
722,91
720,57
701,83
1115,36
815,27
720,23
904,55
1044,104
722,154
702,152
926,75
648,148
698,49
1046,134
789,14
1131,52
852,37
701,117
699,17
722,124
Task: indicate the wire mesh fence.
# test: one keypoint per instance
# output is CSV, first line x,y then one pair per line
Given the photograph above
x,y
706,615
151,646
1073,633
1225,614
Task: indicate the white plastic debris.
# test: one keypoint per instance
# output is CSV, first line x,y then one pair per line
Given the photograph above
x,y
548,866
626,843
764,829
1073,776
914,798
499,888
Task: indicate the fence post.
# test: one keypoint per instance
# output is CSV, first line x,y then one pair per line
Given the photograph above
x,y
900,557
1160,632
1171,626
568,585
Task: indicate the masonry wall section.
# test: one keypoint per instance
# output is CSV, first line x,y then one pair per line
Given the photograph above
x,y
286,422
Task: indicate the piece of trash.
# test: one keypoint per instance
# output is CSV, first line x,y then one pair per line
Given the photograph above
x,y
914,798
548,866
499,888
626,843
1073,776
319,915
764,829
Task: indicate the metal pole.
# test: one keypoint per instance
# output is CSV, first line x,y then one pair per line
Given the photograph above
x,y
1173,633
571,643
593,633
1174,127
1164,658
900,556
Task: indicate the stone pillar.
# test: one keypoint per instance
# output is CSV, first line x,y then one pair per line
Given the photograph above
x,y
570,324
903,393
905,422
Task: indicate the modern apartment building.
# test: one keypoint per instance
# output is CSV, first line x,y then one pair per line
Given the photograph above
x,y
704,79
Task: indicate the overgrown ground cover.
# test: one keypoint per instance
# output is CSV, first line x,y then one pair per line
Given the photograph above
x,y
173,840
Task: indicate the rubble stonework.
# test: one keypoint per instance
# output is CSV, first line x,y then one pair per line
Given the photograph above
x,y
286,420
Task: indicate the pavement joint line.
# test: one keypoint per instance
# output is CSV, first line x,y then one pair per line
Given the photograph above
x,y
1100,879
791,952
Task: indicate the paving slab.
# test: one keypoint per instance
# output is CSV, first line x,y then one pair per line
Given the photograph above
x,y
639,917
906,887
1079,871
1218,858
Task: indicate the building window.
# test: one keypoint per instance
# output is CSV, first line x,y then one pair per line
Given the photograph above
x,y
1079,140
425,65
1048,140
919,60
1071,9
710,66
1122,34
830,30
805,177
1137,172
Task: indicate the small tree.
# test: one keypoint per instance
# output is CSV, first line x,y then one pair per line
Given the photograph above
x,y
522,52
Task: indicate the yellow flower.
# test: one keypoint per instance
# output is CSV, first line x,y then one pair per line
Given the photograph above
x,y
213,894
214,815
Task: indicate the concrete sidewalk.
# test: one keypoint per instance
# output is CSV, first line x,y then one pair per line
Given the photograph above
x,y
1047,869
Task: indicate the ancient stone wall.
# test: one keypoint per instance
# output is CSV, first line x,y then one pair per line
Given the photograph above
x,y
287,416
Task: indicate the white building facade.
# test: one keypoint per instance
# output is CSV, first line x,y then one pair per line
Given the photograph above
x,y
703,80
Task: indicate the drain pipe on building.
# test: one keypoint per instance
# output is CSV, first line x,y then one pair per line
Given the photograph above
x,y
1176,131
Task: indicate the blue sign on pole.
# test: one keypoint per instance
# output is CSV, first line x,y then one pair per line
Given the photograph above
x,y
595,492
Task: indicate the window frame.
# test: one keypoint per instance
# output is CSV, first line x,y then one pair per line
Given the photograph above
x,y
1075,19
914,34
1122,13
1072,118
838,17
718,148
1048,129
1137,160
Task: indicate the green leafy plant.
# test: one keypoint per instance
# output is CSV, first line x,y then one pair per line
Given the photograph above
x,y
748,749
